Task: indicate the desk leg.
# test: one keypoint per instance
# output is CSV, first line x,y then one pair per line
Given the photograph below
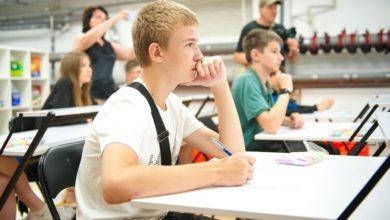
x,y
380,150
202,106
27,157
16,123
366,190
359,146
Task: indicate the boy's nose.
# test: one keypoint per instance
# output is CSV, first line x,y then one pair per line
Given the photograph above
x,y
198,55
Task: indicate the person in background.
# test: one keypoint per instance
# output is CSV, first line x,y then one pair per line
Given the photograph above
x,y
132,70
293,106
252,92
121,159
266,21
73,87
102,52
71,90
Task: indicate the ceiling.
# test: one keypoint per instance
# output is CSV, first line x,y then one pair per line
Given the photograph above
x,y
29,14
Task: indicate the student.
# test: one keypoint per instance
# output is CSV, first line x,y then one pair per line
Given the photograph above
x,y
73,87
266,21
252,91
293,106
102,52
132,70
71,90
121,158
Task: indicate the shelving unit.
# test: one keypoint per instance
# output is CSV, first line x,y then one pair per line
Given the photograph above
x,y
31,81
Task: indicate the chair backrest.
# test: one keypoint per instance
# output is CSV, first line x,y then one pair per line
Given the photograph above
x,y
58,168
27,124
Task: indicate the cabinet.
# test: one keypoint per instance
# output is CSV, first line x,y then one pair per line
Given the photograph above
x,y
24,81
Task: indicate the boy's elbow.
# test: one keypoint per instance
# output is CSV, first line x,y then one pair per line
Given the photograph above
x,y
112,193
271,128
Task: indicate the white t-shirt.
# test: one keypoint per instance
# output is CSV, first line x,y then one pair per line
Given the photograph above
x,y
126,118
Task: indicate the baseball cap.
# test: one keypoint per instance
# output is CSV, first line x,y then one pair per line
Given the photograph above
x,y
263,3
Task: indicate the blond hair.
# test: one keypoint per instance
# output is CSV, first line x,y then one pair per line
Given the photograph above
x,y
70,68
155,23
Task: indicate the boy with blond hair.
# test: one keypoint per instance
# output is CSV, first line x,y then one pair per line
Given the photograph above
x,y
121,159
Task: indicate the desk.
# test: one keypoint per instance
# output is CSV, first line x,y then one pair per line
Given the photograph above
x,y
319,191
376,202
319,131
54,136
63,111
330,116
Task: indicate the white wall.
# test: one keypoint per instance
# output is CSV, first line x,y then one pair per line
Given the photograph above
x,y
222,20
354,15
351,99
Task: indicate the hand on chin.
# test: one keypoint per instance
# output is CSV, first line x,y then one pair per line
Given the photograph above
x,y
209,72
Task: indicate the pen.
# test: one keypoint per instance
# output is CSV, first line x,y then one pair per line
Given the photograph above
x,y
221,146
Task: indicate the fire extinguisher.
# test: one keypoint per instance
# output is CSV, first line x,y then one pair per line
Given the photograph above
x,y
340,42
326,46
379,45
365,46
303,47
388,42
352,43
313,48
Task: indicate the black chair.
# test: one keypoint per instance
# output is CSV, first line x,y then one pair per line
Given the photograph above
x,y
57,170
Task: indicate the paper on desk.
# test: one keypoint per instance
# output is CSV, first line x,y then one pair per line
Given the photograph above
x,y
301,158
22,142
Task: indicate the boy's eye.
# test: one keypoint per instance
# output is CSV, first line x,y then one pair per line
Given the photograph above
x,y
189,44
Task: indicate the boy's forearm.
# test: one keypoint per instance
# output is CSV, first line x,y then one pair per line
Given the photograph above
x,y
278,111
140,181
229,124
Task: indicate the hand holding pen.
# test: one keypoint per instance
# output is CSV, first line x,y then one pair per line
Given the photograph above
x,y
236,169
221,146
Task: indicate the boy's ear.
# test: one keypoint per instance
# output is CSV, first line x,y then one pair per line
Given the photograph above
x,y
155,52
255,54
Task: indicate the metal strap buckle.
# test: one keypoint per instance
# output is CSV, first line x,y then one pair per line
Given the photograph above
x,y
162,136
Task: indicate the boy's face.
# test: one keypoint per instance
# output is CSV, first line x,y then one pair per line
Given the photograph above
x,y
183,53
271,58
133,74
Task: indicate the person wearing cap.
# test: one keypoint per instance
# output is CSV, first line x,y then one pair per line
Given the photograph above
x,y
268,12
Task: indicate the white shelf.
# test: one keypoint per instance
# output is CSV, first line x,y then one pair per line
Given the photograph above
x,y
19,78
32,81
5,117
21,107
38,79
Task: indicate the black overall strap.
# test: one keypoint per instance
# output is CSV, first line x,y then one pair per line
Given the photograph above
x,y
162,133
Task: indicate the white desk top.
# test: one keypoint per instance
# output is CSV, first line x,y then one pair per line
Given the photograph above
x,y
380,99
54,136
321,131
330,116
319,191
63,111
